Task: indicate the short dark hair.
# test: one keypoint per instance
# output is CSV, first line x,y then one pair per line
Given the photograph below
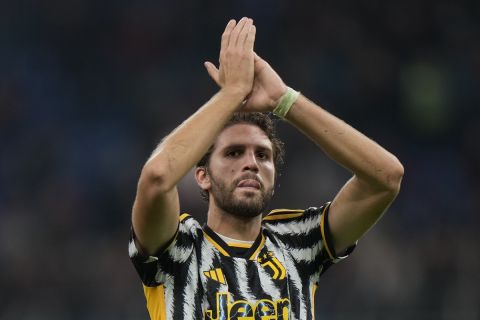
x,y
264,122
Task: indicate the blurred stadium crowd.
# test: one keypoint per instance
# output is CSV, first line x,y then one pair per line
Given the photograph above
x,y
88,88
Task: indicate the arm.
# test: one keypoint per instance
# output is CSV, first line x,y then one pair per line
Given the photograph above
x,y
156,207
377,174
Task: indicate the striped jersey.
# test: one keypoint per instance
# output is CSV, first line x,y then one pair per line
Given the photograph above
x,y
200,276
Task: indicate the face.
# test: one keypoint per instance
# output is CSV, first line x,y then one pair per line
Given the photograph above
x,y
241,171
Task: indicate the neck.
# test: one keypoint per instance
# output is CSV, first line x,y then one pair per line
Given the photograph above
x,y
233,226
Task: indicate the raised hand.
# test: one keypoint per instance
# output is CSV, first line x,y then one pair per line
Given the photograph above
x,y
236,70
267,89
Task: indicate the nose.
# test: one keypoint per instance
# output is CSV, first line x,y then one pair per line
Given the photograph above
x,y
250,162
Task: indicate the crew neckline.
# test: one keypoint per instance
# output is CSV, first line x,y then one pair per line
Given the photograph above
x,y
237,248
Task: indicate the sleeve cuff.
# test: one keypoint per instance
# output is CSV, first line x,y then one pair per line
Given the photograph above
x,y
135,251
327,238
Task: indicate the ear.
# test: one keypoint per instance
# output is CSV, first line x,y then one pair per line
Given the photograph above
x,y
203,178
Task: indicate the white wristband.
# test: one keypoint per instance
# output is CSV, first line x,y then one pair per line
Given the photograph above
x,y
286,102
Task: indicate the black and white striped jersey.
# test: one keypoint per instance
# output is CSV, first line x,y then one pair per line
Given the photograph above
x,y
199,276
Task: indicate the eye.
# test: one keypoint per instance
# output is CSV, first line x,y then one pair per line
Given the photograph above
x,y
233,153
263,155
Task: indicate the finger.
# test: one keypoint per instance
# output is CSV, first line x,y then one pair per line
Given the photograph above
x,y
250,40
257,58
236,31
213,72
244,32
226,33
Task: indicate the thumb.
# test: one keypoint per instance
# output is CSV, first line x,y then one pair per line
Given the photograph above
x,y
257,58
212,72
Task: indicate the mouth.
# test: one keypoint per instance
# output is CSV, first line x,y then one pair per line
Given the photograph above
x,y
249,184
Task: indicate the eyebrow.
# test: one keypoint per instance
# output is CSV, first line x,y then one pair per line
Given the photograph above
x,y
243,146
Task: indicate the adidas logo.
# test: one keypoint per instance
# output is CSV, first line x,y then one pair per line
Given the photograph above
x,y
216,275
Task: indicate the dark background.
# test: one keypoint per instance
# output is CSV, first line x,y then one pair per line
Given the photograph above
x,y
88,88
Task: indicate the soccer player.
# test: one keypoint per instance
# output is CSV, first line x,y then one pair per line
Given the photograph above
x,y
242,264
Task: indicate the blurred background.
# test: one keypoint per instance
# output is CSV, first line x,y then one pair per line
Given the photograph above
x,y
88,88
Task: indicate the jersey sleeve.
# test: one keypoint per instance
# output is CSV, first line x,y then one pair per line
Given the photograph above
x,y
306,235
327,238
154,269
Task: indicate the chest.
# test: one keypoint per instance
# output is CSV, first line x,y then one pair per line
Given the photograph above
x,y
245,287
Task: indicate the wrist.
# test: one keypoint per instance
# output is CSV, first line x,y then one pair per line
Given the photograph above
x,y
277,96
234,94
285,103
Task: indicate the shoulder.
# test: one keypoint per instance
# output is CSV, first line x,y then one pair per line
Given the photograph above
x,y
188,225
188,221
188,229
295,222
283,214
290,215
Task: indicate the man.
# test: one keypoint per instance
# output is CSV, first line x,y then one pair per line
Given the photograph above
x,y
242,265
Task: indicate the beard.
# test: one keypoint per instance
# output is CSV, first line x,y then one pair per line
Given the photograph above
x,y
251,206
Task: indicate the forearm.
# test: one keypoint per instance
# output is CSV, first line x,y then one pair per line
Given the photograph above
x,y
346,145
182,148
156,208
